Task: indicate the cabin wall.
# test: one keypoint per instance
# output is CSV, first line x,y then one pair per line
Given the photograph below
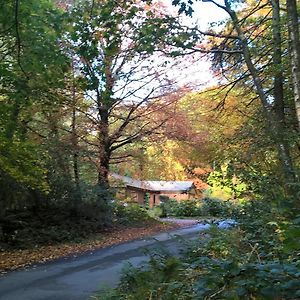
x,y
140,197
136,195
131,193
154,199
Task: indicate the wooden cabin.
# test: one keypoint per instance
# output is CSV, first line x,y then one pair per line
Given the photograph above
x,y
157,190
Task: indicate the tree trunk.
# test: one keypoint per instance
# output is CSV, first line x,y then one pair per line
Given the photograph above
x,y
104,102
293,27
104,147
103,168
56,151
75,141
277,62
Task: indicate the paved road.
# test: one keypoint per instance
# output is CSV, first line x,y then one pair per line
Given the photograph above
x,y
79,278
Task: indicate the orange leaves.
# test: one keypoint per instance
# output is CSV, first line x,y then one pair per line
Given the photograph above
x,y
202,171
200,185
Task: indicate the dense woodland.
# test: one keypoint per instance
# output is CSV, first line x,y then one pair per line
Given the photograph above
x,y
88,87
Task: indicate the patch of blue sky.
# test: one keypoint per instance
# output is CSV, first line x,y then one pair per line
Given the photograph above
x,y
206,15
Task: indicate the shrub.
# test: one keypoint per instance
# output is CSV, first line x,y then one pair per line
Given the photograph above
x,y
156,212
160,279
49,225
217,208
199,208
130,213
50,220
188,208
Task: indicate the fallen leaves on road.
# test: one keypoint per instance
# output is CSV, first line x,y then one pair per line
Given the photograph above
x,y
11,260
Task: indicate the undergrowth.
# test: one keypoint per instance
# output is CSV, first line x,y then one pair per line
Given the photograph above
x,y
54,224
198,208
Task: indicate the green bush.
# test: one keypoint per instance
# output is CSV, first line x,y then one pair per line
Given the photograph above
x,y
160,279
199,208
130,213
168,278
49,225
218,208
156,212
188,208
63,215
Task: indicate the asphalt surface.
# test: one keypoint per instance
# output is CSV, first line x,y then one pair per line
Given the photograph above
x,y
78,278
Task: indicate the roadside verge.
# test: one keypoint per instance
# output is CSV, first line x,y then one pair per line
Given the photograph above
x,y
15,259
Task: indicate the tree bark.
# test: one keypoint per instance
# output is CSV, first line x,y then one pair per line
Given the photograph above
x,y
103,169
277,62
104,102
293,28
75,159
104,147
57,153
75,141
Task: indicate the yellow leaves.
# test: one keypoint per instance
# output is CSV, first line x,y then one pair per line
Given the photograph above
x,y
164,160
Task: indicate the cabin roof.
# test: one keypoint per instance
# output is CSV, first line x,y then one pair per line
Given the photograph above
x,y
155,185
170,185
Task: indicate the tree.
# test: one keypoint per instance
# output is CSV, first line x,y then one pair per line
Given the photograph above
x,y
31,68
122,78
293,27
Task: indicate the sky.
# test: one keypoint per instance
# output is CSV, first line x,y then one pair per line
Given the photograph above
x,y
204,14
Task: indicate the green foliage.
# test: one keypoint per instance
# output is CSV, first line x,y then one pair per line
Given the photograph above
x,y
23,161
156,212
190,208
247,281
59,216
218,208
141,283
48,225
31,68
199,208
130,213
226,180
289,233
